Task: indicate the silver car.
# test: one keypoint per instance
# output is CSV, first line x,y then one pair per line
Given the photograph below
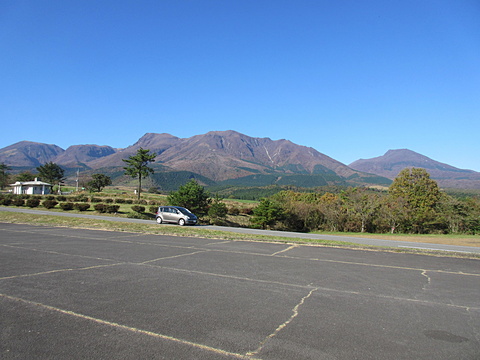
x,y
175,214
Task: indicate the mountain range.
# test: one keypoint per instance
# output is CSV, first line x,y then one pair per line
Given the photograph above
x,y
229,157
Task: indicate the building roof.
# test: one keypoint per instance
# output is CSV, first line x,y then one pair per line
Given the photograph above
x,y
31,183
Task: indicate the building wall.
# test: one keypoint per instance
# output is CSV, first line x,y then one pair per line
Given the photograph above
x,y
32,190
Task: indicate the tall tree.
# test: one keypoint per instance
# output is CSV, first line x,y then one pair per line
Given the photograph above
x,y
191,196
51,173
98,182
138,166
4,175
25,176
421,194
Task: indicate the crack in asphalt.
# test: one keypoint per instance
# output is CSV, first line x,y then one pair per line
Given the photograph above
x,y
284,250
295,311
429,280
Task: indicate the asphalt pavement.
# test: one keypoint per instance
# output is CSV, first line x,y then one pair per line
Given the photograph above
x,y
91,294
287,234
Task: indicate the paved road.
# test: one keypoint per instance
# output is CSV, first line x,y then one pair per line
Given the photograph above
x,y
351,239
77,294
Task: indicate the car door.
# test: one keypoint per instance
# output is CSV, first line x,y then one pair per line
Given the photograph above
x,y
176,215
167,215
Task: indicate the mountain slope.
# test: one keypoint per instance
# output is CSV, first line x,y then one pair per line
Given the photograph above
x,y
29,154
393,161
222,155
81,154
156,143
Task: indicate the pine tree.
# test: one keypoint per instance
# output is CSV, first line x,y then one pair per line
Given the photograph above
x,y
138,166
51,173
191,196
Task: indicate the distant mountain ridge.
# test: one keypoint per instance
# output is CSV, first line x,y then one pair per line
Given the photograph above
x,y
393,161
224,155
235,158
216,155
83,154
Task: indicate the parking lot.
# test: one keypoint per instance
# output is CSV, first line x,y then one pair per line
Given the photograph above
x,y
71,293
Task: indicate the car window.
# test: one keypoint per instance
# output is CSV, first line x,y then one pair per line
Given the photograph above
x,y
184,211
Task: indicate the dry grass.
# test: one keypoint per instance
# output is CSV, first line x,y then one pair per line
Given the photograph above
x,y
458,240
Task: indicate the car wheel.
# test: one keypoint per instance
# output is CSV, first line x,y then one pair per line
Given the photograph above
x,y
159,220
181,222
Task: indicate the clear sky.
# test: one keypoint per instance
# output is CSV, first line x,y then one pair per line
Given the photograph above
x,y
350,78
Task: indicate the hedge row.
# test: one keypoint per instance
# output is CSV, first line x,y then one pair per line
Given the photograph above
x,y
51,202
11,199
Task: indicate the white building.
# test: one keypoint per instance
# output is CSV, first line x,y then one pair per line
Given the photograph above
x,y
35,187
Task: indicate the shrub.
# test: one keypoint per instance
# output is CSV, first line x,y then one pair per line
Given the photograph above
x,y
49,204
142,202
80,197
95,200
153,209
66,206
6,201
120,201
18,201
33,202
108,201
111,209
136,215
61,198
101,208
138,208
81,206
50,197
128,201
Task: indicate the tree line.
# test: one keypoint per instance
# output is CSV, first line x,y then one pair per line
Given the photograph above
x,y
413,204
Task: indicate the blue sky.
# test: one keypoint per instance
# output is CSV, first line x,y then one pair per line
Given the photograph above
x,y
350,78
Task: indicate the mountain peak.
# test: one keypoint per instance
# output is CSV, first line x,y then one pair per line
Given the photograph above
x,y
29,153
393,161
153,139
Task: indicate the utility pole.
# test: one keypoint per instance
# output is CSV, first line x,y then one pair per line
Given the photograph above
x,y
76,187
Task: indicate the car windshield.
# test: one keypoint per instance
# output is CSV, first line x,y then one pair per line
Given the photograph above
x,y
184,211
